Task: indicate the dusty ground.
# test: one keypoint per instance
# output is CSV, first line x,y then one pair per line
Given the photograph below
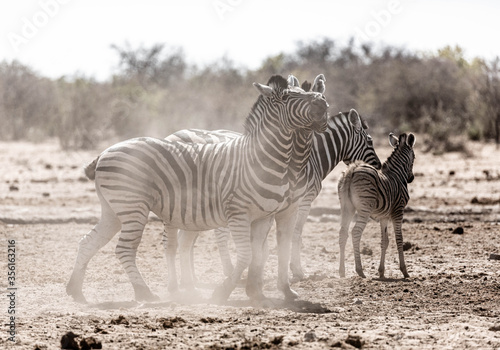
x,y
451,301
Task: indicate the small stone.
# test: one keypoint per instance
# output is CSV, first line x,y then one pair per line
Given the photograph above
x,y
90,343
355,340
120,320
366,251
310,337
458,230
68,341
407,246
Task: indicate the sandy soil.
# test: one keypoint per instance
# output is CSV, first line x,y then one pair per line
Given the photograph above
x,y
451,301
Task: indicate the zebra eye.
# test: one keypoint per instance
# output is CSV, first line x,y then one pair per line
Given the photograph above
x,y
285,96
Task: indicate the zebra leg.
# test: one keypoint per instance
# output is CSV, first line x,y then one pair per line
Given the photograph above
x,y
285,223
295,263
187,239
397,223
89,245
357,231
170,245
222,236
130,237
260,229
384,245
240,230
347,212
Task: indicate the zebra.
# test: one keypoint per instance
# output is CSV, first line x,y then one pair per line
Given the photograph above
x,y
238,184
379,194
186,238
298,160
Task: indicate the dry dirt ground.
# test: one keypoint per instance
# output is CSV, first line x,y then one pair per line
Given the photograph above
x,y
451,301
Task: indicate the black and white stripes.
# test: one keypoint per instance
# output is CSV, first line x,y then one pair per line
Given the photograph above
x,y
345,139
203,186
379,194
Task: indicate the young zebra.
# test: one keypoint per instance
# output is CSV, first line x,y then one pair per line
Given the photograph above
x,y
238,183
379,194
346,139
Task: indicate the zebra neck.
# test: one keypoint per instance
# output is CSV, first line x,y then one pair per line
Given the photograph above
x,y
301,150
395,167
332,146
268,147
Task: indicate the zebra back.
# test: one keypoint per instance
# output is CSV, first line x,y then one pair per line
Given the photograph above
x,y
346,139
202,136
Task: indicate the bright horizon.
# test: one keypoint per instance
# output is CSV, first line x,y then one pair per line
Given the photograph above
x,y
68,37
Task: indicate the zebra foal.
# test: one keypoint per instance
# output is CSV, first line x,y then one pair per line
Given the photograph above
x,y
379,194
196,187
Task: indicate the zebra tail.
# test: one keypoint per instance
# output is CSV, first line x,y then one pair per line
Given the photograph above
x,y
90,169
344,187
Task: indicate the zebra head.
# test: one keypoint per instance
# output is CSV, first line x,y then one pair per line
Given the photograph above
x,y
360,143
403,153
297,108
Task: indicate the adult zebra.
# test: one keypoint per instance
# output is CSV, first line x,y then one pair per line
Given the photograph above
x,y
346,139
204,186
297,173
379,194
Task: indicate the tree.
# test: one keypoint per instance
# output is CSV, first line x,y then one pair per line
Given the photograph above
x,y
490,92
149,66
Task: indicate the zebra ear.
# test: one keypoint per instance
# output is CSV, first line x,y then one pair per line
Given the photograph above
x,y
410,140
393,140
355,120
264,89
319,84
293,81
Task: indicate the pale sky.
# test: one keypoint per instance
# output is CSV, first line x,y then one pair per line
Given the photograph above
x,y
64,37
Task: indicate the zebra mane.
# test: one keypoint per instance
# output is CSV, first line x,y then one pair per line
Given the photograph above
x,y
278,83
306,86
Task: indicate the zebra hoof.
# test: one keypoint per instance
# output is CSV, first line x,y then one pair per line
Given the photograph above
x,y
361,273
142,293
222,292
290,294
79,298
76,295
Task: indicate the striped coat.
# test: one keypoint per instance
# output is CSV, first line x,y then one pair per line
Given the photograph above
x,y
203,186
378,194
346,139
